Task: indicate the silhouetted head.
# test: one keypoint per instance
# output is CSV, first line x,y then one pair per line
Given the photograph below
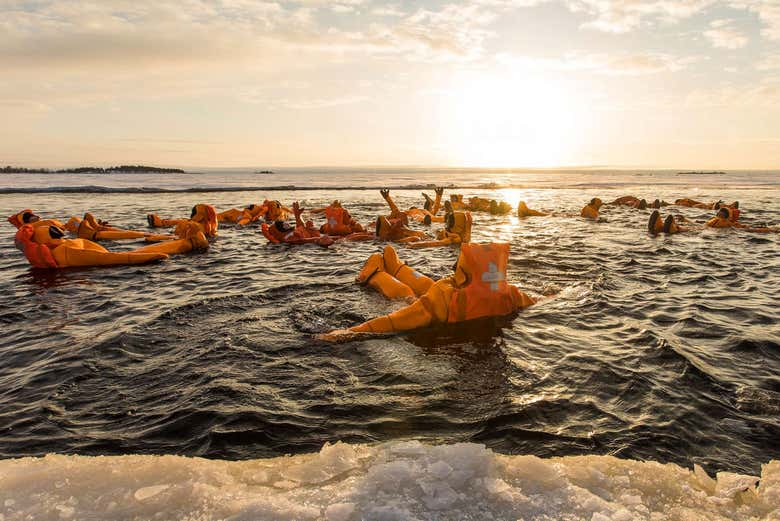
x,y
282,226
642,204
724,213
736,204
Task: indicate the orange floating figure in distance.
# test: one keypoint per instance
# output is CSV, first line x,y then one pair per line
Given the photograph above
x,y
723,219
244,216
302,233
429,212
338,220
477,289
204,215
524,211
591,210
27,216
457,230
45,247
94,230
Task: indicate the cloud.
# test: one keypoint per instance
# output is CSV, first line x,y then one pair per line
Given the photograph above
x,y
617,64
765,94
768,12
724,35
620,16
769,63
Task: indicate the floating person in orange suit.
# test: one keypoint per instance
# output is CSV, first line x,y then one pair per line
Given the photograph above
x,y
302,233
243,216
27,216
457,230
204,215
591,210
95,230
723,219
477,289
46,247
338,220
524,211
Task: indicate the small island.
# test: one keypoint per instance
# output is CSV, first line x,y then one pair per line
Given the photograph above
x,y
264,172
93,170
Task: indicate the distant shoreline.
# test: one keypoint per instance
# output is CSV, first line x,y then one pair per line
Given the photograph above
x,y
122,169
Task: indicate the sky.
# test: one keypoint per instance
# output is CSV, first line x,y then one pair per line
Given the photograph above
x,y
691,84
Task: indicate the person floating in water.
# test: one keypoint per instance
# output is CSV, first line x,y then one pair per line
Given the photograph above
x,y
46,247
457,230
524,211
338,220
27,216
591,210
640,204
690,203
723,219
204,215
477,289
430,210
302,233
491,206
96,230
243,216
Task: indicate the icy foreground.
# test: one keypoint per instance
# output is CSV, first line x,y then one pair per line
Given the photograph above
x,y
393,481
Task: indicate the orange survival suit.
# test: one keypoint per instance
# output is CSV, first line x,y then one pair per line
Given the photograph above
x,y
477,289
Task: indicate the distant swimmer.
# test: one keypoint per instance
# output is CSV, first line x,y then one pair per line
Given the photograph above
x,y
724,219
302,233
457,230
491,206
456,200
243,216
591,210
477,289
204,215
430,210
679,224
524,211
690,203
27,216
46,247
395,212
338,220
633,202
96,230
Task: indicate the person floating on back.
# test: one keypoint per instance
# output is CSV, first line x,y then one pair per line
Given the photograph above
x,y
477,289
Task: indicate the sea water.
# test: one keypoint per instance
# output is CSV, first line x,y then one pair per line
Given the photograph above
x,y
661,351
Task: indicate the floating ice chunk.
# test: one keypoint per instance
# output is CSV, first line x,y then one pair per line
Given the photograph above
x,y
142,494
339,511
440,469
387,482
730,483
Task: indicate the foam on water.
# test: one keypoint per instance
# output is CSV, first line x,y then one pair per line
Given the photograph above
x,y
402,480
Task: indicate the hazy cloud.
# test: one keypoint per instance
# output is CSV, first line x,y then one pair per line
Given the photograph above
x,y
769,63
724,35
620,16
618,64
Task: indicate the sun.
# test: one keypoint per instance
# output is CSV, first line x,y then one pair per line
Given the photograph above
x,y
507,120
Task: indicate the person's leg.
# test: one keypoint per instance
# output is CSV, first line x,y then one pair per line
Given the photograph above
x,y
410,277
655,225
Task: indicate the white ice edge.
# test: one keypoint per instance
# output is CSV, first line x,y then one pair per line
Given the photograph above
x,y
393,481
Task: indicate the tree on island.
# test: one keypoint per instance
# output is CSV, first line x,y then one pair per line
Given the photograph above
x,y
92,170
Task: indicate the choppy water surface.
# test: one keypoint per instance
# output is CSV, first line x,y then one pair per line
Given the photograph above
x,y
662,348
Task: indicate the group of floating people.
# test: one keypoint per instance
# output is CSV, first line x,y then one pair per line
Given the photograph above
x,y
478,287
